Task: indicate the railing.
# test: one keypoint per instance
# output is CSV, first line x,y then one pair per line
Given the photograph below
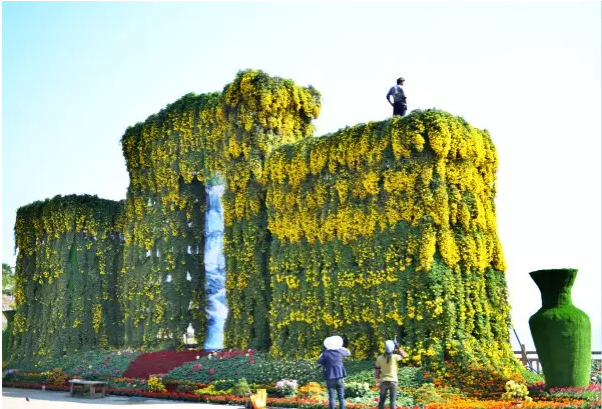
x,y
530,358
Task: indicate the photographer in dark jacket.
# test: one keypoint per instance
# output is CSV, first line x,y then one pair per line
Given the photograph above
x,y
333,370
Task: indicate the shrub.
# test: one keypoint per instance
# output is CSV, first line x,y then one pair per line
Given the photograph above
x,y
56,377
359,371
404,399
210,390
530,377
596,372
5,342
9,374
256,368
155,385
187,387
356,389
241,388
516,391
287,387
473,379
410,377
590,393
426,394
223,385
311,391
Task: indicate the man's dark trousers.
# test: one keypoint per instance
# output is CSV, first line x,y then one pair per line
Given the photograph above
x,y
336,386
399,108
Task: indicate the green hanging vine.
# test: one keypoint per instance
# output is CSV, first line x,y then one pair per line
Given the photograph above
x,y
69,253
388,228
169,157
260,113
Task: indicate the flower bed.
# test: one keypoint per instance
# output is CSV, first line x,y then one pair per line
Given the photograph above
x,y
160,362
256,367
473,380
94,364
292,402
211,378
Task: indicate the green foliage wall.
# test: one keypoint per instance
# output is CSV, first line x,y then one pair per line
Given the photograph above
x,y
260,113
162,282
196,141
387,229
69,254
376,230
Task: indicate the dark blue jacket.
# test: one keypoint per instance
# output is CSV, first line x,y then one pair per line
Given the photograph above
x,y
332,364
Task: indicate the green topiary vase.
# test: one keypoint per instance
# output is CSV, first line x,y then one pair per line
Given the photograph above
x,y
561,332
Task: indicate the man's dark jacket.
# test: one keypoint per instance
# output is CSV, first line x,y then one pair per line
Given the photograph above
x,y
332,364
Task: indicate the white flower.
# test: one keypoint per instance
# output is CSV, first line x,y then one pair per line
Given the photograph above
x,y
198,357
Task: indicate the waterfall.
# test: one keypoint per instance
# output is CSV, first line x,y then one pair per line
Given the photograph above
x,y
215,269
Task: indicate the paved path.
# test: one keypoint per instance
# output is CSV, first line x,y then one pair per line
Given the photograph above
x,y
14,398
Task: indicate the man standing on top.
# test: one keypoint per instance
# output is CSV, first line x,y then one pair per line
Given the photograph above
x,y
399,98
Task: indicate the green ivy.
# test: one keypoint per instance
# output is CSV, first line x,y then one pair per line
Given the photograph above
x,y
70,251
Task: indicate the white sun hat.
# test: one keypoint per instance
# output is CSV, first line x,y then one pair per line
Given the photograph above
x,y
334,342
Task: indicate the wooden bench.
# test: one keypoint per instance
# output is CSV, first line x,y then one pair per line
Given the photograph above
x,y
92,387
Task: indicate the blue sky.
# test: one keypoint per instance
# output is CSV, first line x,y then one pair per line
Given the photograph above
x,y
76,74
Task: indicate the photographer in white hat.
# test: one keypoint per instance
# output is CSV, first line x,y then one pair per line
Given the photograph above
x,y
333,370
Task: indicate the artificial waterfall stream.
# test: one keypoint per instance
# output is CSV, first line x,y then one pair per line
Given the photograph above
x,y
215,269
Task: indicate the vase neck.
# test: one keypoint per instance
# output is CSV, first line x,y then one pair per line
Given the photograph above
x,y
555,286
556,300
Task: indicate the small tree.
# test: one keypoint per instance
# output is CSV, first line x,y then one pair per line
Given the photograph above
x,y
8,279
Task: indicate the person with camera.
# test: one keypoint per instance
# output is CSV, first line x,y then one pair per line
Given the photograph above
x,y
399,103
333,370
385,373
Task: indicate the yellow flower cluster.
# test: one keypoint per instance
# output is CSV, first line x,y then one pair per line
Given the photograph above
x,y
260,113
388,228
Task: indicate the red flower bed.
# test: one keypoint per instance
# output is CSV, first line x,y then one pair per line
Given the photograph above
x,y
161,362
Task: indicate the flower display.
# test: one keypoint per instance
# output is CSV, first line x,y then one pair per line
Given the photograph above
x,y
159,362
383,225
287,387
516,391
364,231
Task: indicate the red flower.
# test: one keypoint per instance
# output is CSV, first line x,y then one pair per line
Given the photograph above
x,y
251,361
211,371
